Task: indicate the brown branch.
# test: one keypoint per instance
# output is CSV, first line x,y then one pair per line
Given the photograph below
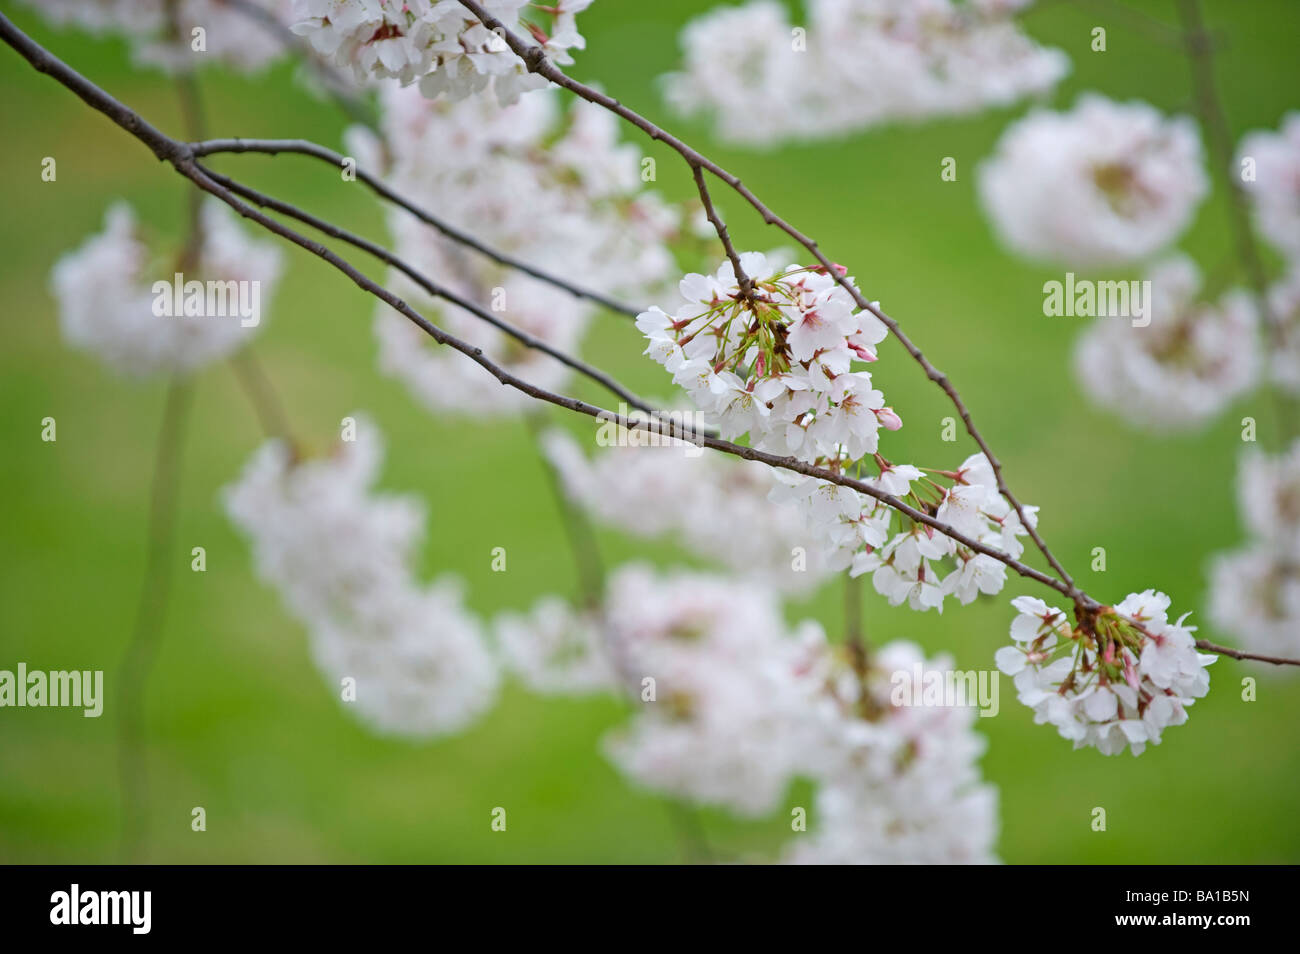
x,y
577,527
535,60
273,147
155,594
437,291
744,281
1200,54
262,395
182,159
1210,647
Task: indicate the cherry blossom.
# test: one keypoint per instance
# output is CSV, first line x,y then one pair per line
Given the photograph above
x,y
1255,590
437,43
854,64
1284,343
340,555
107,297
1102,184
896,784
719,684
1115,680
910,562
585,214
716,507
774,361
203,31
1185,366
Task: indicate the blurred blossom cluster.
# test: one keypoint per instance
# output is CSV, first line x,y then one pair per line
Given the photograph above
x,y
731,705
1255,590
715,506
1103,184
340,555
1274,186
178,35
105,293
854,64
552,187
1112,184
1181,370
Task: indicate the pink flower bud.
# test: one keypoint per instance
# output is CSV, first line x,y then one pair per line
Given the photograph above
x,y
1130,674
889,420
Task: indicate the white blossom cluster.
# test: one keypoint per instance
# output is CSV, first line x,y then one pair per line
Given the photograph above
x,y
774,363
716,506
721,723
106,298
733,704
913,564
1118,681
438,44
1103,184
1274,186
1255,591
856,64
1184,367
202,31
340,555
553,188
896,784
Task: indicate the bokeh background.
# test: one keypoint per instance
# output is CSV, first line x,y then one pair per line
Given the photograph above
x,y
237,718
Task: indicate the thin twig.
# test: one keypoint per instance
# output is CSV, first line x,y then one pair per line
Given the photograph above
x,y
271,147
155,593
180,157
262,395
577,527
744,281
854,637
1210,647
608,381
1200,54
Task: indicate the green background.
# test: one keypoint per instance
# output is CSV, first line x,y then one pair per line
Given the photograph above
x,y
239,721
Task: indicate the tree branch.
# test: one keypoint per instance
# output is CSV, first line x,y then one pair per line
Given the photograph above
x,y
181,157
273,147
1210,647
1200,53
437,291
155,594
744,281
535,60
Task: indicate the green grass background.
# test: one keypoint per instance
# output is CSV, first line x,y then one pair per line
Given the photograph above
x,y
239,721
